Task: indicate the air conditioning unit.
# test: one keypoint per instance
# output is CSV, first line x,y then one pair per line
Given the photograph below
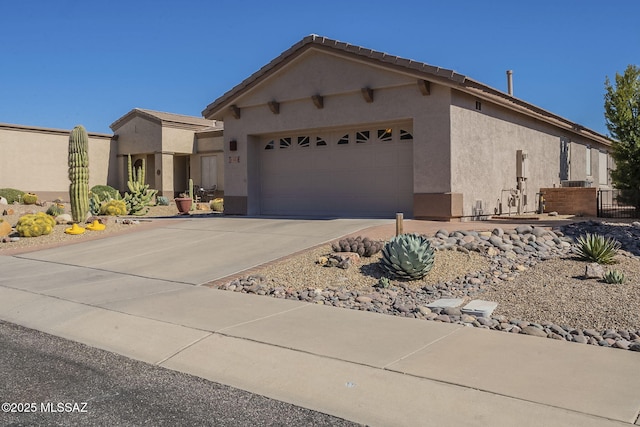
x,y
575,183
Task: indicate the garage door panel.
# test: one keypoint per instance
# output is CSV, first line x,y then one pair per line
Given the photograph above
x,y
369,179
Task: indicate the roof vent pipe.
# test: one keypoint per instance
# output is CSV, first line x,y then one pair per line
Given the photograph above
x,y
510,82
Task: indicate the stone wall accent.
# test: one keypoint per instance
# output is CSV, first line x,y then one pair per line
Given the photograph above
x,y
571,200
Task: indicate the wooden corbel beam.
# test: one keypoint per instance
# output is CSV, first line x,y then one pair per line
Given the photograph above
x,y
425,87
235,111
367,94
318,101
274,107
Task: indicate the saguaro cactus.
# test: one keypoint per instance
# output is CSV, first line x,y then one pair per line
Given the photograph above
x,y
79,173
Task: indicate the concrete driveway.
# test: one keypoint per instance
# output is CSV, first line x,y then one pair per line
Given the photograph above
x,y
197,250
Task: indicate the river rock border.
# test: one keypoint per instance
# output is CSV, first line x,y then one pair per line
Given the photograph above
x,y
510,252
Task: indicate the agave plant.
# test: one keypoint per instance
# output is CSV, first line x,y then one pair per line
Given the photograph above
x,y
597,248
407,256
614,277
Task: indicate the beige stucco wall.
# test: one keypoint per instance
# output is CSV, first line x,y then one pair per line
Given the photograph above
x,y
177,140
484,145
339,80
139,135
36,160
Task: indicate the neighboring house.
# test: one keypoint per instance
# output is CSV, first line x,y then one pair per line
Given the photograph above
x,y
36,159
329,128
175,148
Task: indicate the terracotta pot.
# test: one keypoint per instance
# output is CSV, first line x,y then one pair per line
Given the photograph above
x,y
183,204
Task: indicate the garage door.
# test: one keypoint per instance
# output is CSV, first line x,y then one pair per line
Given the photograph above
x,y
364,172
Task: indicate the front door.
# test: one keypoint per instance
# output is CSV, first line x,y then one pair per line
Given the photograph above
x,y
209,172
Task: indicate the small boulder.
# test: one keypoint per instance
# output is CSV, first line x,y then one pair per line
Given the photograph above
x,y
532,330
64,219
323,260
594,271
3,201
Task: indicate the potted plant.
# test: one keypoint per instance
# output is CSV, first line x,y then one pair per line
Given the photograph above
x,y
183,203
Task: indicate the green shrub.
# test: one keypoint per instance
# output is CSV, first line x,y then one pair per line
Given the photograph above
x,y
105,192
614,277
11,194
408,256
597,248
162,201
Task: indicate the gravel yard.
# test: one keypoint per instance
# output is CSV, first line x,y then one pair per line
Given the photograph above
x,y
115,225
540,293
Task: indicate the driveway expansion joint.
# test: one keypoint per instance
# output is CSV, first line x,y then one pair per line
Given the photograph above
x,y
423,347
171,356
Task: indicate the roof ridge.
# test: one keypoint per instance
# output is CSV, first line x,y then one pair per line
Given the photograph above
x,y
443,74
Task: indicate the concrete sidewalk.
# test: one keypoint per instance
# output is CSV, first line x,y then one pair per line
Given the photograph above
x,y
365,367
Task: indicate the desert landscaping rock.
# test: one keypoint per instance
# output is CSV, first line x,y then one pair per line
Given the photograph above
x,y
594,271
531,272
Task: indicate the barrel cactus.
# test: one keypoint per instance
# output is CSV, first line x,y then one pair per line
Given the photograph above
x,y
55,209
407,256
217,204
33,225
29,198
114,207
79,173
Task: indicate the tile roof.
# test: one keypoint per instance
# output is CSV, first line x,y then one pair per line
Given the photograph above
x,y
421,70
164,118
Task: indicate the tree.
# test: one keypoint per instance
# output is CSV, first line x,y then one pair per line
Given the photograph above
x,y
622,114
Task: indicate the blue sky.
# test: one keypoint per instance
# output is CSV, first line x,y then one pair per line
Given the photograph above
x,y
68,62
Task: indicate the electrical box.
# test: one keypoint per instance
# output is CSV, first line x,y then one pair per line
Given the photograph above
x,y
522,160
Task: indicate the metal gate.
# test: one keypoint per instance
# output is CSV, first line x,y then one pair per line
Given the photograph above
x,y
615,204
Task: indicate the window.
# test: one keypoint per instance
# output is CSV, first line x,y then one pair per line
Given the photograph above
x,y
588,161
344,140
405,135
269,145
362,137
603,170
385,135
320,142
303,141
478,105
564,159
285,142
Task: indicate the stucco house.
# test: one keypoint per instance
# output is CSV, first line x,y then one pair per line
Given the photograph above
x,y
329,128
175,148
